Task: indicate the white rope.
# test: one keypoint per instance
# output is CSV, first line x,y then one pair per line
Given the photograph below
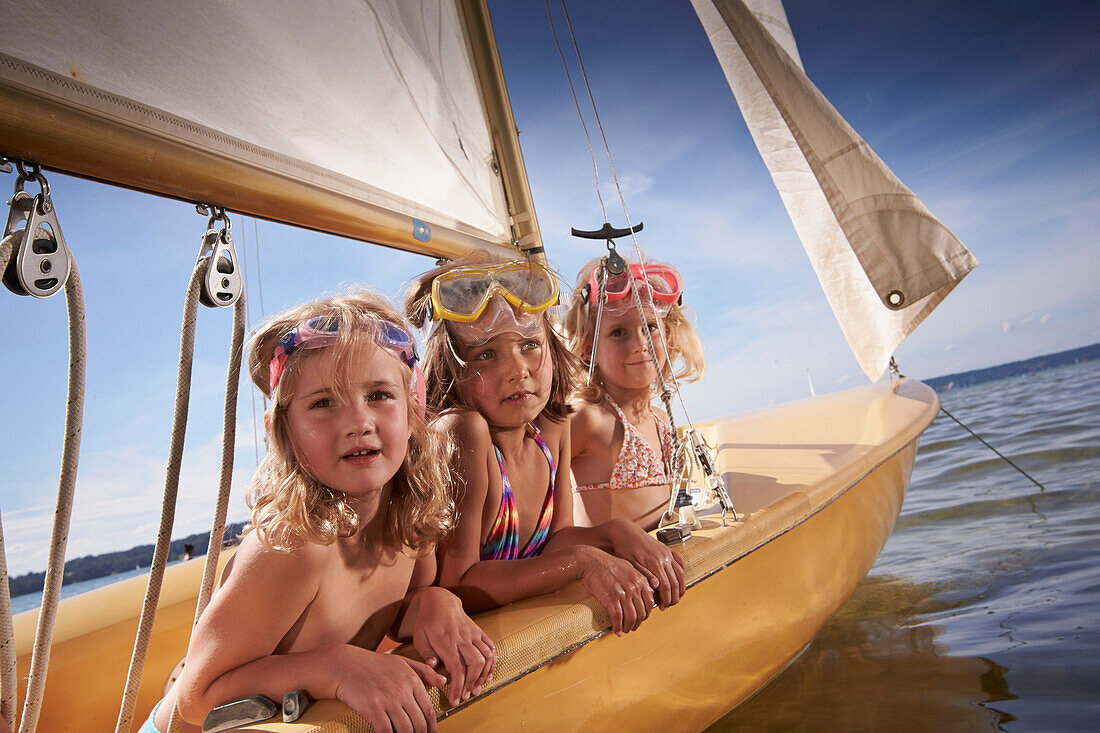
x,y
229,438
168,506
9,694
70,456
8,688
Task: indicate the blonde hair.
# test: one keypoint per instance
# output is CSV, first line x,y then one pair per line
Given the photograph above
x,y
288,504
685,352
443,368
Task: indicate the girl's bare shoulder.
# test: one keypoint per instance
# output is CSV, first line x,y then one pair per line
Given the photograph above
x,y
587,413
254,563
468,427
589,420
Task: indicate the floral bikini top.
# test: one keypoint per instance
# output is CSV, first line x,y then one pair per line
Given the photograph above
x,y
638,464
503,541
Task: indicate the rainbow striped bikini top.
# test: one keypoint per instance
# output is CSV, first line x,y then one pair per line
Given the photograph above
x,y
503,541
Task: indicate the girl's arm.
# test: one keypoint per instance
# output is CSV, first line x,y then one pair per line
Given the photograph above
x,y
580,428
483,584
231,655
662,568
433,619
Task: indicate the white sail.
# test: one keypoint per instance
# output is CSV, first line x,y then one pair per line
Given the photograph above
x,y
884,261
375,104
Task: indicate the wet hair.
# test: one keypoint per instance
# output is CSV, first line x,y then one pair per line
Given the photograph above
x,y
289,505
444,368
685,352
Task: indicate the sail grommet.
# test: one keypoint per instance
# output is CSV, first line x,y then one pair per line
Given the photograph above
x,y
895,299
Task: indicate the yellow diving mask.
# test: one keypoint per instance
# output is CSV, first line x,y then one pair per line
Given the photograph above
x,y
462,295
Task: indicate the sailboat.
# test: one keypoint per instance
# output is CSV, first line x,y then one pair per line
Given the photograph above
x,y
438,170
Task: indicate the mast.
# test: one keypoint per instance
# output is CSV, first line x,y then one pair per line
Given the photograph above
x,y
505,134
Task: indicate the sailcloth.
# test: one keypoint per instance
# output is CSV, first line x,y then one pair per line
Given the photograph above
x,y
884,261
367,119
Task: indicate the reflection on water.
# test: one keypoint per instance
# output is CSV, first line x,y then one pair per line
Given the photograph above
x,y
982,611
870,669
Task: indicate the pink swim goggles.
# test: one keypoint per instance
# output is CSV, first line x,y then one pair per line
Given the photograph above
x,y
662,282
321,331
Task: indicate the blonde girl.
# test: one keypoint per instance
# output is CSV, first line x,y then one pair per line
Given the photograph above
x,y
347,507
621,444
501,376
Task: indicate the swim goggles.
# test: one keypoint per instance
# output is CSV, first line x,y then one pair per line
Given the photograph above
x,y
663,282
462,295
321,331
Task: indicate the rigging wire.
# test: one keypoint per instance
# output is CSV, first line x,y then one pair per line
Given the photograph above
x,y
1005,458
618,187
577,104
895,371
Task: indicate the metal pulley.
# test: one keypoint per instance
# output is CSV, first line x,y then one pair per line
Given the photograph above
x,y
40,261
222,284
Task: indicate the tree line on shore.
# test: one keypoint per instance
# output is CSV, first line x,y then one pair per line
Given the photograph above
x,y
110,563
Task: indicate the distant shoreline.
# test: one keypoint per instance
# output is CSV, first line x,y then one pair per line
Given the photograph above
x,y
91,567
1014,368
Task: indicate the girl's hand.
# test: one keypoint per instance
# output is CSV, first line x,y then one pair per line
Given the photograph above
x,y
619,588
442,632
387,690
663,568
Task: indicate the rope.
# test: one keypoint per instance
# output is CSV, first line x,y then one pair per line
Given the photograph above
x,y
1005,458
9,693
70,456
168,506
229,437
8,688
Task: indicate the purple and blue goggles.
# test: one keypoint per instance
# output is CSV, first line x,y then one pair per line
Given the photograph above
x,y
321,331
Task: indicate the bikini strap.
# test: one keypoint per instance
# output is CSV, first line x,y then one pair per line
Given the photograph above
x,y
546,516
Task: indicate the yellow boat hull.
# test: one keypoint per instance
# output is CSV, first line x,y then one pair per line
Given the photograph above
x,y
821,483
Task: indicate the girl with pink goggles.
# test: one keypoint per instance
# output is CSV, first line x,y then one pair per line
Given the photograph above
x,y
662,283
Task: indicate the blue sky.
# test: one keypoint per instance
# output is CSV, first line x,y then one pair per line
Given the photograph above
x,y
988,111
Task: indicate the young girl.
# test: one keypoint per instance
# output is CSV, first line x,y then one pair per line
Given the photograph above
x,y
621,444
347,507
501,377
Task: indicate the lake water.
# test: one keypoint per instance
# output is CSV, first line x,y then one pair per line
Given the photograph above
x,y
28,601
983,610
